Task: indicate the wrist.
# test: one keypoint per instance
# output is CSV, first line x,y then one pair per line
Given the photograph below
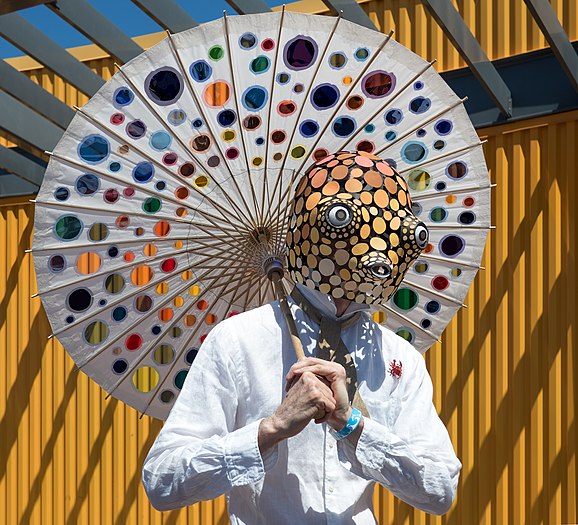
x,y
339,418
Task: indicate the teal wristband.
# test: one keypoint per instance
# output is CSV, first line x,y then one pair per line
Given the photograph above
x,y
349,427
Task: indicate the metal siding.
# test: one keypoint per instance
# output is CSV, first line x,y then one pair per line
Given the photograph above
x,y
504,375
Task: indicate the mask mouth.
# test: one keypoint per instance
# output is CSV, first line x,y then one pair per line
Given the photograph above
x,y
380,270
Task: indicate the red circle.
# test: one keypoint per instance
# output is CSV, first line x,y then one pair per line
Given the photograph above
x,y
111,195
203,337
232,153
168,265
366,145
128,192
469,202
233,313
133,342
267,44
439,282
170,158
117,118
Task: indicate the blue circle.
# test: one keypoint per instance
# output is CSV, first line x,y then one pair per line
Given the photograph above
x,y
136,129
102,302
247,41
324,96
283,78
190,355
440,186
390,135
419,105
61,194
443,127
70,319
418,85
160,140
160,185
425,323
362,54
114,166
123,96
119,313
343,126
259,141
200,70
255,98
432,307
393,116
227,118
87,184
156,330
413,152
197,123
113,252
143,172
421,133
94,149
309,128
120,366
370,128
177,117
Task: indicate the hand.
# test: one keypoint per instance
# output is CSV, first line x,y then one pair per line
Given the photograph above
x,y
309,398
334,374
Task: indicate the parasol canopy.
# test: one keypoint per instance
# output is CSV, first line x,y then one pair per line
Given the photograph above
x,y
171,187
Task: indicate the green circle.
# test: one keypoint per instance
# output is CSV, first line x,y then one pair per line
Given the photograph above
x,y
98,232
404,333
405,299
419,180
163,354
180,378
298,151
216,53
68,228
95,333
151,205
438,214
260,64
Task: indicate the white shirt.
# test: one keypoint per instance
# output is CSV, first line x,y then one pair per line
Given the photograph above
x,y
208,445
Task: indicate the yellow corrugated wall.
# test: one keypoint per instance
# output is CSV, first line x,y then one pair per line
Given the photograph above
x,y
504,375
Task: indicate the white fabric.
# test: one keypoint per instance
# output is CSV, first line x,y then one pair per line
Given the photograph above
x,y
208,445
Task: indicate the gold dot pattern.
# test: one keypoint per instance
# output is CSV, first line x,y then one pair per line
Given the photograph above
x,y
352,233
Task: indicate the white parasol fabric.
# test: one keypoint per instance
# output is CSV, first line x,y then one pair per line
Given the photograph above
x,y
172,184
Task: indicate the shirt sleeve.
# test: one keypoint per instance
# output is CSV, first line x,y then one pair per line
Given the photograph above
x,y
410,453
199,454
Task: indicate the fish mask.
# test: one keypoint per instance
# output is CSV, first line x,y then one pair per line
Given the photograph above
x,y
352,233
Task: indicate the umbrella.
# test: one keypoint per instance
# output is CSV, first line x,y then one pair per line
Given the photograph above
x,y
165,203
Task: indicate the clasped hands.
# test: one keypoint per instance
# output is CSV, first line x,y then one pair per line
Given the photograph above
x,y
315,390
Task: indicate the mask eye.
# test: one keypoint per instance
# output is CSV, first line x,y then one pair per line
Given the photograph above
x,y
421,235
339,216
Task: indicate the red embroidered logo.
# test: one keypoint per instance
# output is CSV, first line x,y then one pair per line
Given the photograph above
x,y
395,369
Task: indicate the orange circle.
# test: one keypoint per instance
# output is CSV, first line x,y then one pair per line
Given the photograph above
x,y
391,185
181,193
141,275
190,320
331,188
319,179
217,94
339,172
381,198
129,256
166,314
202,304
373,178
353,185
88,262
162,228
313,200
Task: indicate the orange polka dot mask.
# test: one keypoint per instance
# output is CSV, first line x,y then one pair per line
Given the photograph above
x,y
352,233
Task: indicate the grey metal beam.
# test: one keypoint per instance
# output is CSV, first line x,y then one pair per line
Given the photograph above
x,y
249,7
33,42
21,87
13,186
96,27
22,166
549,24
352,11
168,14
9,6
26,124
462,38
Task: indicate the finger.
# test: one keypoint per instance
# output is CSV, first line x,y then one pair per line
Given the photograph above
x,y
330,371
304,361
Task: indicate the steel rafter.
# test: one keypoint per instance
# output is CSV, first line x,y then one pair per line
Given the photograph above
x,y
33,42
552,29
96,27
454,27
33,95
249,7
352,11
22,165
168,14
9,6
26,124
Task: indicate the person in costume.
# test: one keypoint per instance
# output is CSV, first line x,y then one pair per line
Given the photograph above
x,y
305,442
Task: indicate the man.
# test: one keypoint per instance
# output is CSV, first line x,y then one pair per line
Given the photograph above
x,y
305,442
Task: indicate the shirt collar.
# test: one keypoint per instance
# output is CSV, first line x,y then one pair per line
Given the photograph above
x,y
325,304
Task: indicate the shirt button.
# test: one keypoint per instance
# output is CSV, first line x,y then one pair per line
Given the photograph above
x,y
331,444
331,490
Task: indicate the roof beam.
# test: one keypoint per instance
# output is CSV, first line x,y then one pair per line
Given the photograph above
x,y
96,27
351,11
168,14
249,7
454,27
33,42
22,166
552,29
20,86
8,6
27,125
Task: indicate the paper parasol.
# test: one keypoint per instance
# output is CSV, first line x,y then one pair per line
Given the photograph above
x,y
171,186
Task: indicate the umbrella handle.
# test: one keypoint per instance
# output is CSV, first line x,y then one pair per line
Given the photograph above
x,y
276,278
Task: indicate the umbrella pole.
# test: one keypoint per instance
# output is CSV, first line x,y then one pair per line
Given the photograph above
x,y
276,277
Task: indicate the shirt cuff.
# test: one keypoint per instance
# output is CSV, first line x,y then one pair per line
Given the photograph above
x,y
243,457
373,444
